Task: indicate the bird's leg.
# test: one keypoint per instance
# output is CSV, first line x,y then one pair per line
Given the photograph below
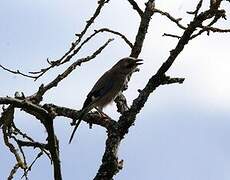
x,y
74,122
103,115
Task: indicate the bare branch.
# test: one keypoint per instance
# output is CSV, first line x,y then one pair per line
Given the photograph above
x,y
74,52
13,171
214,29
47,120
144,24
53,146
18,131
197,22
101,3
171,35
70,56
30,167
197,9
215,4
177,21
17,72
209,29
110,164
218,14
12,148
116,33
43,89
128,118
136,7
65,58
169,80
7,116
121,103
91,118
116,130
32,144
25,105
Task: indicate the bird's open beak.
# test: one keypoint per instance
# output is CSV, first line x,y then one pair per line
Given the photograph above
x,y
138,61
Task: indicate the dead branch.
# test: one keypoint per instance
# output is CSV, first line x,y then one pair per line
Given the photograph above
x,y
76,50
110,163
116,33
65,58
13,171
144,24
32,144
169,80
31,165
53,146
12,149
214,29
37,97
171,35
91,118
16,72
116,130
197,9
177,21
25,105
136,7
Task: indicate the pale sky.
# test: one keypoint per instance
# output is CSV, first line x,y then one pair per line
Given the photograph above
x,y
183,131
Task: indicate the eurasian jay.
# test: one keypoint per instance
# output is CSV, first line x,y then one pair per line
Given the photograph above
x,y
107,87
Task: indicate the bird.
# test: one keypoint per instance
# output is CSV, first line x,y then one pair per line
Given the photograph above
x,y
108,86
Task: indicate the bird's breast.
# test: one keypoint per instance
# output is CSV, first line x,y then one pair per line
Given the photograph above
x,y
111,94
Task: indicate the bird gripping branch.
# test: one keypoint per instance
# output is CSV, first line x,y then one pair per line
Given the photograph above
x,y
109,85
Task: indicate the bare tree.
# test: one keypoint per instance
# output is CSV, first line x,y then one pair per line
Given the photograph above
x,y
45,113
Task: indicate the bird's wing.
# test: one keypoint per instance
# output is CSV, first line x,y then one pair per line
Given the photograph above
x,y
98,92
100,89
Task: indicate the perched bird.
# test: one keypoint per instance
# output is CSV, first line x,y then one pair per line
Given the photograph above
x,y
107,87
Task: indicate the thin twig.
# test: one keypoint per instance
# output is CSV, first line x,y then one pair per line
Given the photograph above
x,y
18,131
214,29
136,7
177,21
65,58
219,14
12,148
43,89
22,152
169,80
116,33
197,9
17,72
30,167
75,51
171,35
13,171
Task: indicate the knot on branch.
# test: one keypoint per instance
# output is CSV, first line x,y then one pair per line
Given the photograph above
x,y
150,5
169,80
215,4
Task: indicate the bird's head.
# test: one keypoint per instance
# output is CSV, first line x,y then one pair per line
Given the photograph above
x,y
127,65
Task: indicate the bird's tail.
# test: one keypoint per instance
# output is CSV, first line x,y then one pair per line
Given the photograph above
x,y
82,114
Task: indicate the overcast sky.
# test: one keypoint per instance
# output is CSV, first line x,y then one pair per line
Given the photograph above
x,y
183,131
